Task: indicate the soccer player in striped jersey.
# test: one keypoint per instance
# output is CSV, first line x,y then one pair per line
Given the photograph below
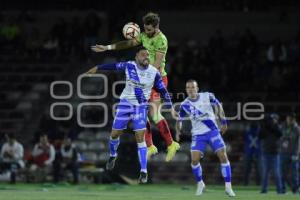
x,y
157,44
208,119
141,77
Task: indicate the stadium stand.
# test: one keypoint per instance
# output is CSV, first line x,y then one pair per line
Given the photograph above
x,y
233,64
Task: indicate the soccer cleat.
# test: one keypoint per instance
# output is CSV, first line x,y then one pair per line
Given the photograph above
x,y
200,188
152,150
229,192
172,148
111,163
143,178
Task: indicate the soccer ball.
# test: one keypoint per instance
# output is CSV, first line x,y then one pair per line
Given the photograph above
x,y
131,30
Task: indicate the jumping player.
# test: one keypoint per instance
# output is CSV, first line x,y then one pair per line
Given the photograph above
x,y
133,105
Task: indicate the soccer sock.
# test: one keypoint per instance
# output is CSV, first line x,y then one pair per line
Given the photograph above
x,y
197,171
226,173
142,152
113,146
148,134
164,131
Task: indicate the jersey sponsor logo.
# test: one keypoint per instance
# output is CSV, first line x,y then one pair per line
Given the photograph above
x,y
136,84
145,74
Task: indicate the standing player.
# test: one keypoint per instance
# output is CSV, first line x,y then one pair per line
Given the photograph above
x,y
205,113
156,43
133,105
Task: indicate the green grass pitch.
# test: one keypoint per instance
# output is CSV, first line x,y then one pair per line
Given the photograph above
x,y
129,192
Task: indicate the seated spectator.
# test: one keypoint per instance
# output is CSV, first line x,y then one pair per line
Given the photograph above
x,y
11,158
43,156
67,160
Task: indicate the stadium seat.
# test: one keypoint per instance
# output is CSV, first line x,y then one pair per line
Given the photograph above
x,y
103,157
24,106
81,145
185,147
32,96
14,95
89,156
160,157
103,135
181,157
96,146
87,136
40,87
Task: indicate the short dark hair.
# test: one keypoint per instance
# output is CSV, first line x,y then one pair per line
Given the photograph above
x,y
140,48
151,19
192,81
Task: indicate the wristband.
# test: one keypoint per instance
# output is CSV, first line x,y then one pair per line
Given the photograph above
x,y
109,47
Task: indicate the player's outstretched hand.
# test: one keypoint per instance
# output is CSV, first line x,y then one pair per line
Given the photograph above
x,y
99,48
92,71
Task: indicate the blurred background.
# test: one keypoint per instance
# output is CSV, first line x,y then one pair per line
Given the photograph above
x,y
241,50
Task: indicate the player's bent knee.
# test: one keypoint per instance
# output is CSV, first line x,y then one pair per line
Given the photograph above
x,y
195,157
140,136
116,133
195,162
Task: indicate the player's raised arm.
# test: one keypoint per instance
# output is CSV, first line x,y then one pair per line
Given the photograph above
x,y
219,112
125,44
121,66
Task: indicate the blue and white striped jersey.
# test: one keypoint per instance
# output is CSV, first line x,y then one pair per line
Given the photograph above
x,y
201,113
139,82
